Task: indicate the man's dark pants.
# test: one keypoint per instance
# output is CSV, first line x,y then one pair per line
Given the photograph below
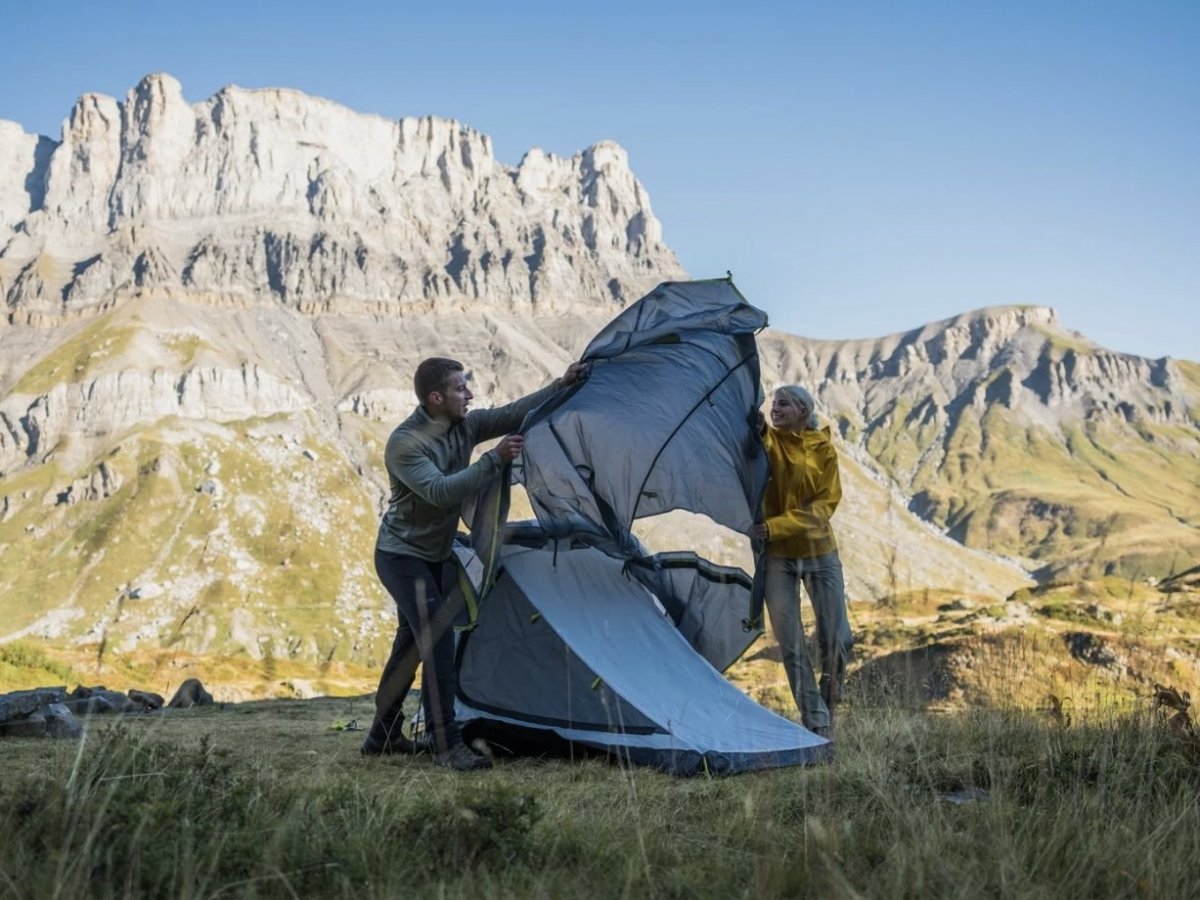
x,y
425,633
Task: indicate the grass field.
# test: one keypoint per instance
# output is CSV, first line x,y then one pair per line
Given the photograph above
x,y
264,799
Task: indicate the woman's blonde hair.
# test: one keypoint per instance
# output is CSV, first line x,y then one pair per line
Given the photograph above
x,y
801,397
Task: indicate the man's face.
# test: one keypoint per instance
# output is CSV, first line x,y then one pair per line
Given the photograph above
x,y
455,399
786,413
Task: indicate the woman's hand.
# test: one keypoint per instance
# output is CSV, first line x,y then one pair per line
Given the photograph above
x,y
759,532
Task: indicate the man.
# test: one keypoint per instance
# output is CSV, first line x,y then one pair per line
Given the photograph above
x,y
428,459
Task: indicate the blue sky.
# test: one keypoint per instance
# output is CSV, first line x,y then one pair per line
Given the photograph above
x,y
862,167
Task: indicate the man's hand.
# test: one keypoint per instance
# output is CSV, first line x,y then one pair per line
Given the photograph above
x,y
510,447
576,371
759,532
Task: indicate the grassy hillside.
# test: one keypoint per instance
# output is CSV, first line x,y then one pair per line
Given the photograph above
x,y
250,538
1103,643
1088,499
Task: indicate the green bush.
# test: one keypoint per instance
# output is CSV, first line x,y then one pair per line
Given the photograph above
x,y
23,664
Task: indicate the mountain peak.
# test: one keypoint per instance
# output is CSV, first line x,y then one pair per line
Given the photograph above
x,y
270,195
1023,313
158,83
987,324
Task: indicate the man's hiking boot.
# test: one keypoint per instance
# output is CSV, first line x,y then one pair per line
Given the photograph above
x,y
380,742
461,758
386,746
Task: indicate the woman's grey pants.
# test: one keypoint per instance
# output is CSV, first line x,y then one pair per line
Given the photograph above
x,y
822,578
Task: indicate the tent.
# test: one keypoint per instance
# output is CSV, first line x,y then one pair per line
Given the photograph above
x,y
577,634
569,649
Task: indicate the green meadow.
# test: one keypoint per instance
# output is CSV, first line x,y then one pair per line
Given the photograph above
x,y
269,799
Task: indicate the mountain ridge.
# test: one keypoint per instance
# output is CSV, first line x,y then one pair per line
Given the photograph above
x,y
272,196
1002,413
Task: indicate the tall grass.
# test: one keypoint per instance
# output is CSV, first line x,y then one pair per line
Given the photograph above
x,y
262,800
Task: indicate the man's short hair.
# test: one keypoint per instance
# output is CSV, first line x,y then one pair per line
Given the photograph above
x,y
433,374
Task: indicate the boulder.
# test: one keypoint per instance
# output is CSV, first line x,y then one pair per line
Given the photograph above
x,y
82,693
147,699
60,722
190,693
957,605
1094,650
21,703
209,486
148,591
27,726
88,700
112,701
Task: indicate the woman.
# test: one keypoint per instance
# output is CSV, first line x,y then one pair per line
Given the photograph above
x,y
803,493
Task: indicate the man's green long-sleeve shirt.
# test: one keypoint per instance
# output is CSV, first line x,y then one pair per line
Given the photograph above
x,y
430,472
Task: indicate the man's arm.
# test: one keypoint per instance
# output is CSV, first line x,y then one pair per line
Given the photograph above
x,y
486,424
406,461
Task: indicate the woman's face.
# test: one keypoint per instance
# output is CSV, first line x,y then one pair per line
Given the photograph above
x,y
786,413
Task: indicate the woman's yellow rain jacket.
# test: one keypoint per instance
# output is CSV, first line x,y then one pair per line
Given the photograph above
x,y
804,490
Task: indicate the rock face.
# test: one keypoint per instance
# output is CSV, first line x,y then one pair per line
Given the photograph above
x,y
114,401
272,196
1019,358
23,162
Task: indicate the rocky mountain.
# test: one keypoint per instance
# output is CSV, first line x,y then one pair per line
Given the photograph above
x,y
271,196
211,316
1017,435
